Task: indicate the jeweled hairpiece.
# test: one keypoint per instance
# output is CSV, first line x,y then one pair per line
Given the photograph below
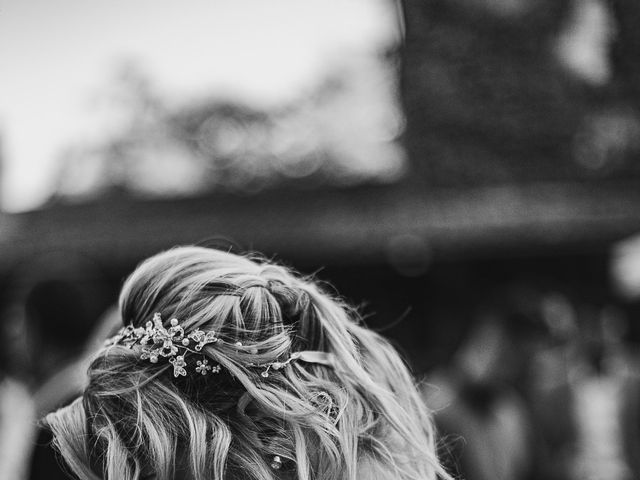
x,y
156,342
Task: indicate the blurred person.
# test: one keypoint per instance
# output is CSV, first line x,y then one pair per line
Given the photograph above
x,y
17,417
605,385
53,303
630,412
625,276
481,398
547,388
583,393
483,417
230,367
51,306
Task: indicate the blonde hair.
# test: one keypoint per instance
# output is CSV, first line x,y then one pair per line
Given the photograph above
x,y
135,419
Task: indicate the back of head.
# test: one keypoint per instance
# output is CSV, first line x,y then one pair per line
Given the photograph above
x,y
301,389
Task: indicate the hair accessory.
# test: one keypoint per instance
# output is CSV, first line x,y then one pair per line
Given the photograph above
x,y
276,365
276,463
307,356
157,342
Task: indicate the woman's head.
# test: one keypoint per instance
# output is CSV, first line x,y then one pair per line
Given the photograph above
x,y
345,402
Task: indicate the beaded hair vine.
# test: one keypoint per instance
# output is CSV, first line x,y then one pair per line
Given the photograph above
x,y
157,342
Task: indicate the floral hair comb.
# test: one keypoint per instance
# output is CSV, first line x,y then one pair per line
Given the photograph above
x,y
157,342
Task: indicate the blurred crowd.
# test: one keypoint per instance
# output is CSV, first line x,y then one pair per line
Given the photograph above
x,y
544,386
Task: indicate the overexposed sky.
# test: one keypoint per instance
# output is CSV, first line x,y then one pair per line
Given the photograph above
x,y
56,56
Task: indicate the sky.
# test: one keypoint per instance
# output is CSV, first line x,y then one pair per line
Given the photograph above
x,y
57,56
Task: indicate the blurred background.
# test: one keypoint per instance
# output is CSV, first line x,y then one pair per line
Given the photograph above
x,y
466,171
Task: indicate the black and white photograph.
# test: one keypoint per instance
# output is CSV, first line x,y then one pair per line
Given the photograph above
x,y
319,240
